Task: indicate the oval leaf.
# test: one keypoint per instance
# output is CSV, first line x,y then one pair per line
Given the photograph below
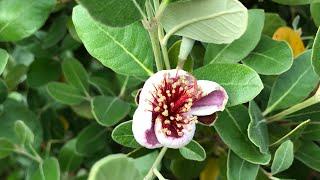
x,y
193,151
109,110
240,169
48,170
241,82
257,129
123,135
316,53
223,20
283,157
24,133
240,48
75,74
294,85
315,13
232,127
65,93
42,71
68,158
112,47
20,19
270,57
92,136
309,154
115,167
271,23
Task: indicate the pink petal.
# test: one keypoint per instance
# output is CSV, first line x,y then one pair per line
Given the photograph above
x,y
154,81
214,98
143,129
175,142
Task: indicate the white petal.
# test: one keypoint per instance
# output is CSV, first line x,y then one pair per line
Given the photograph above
x,y
173,142
154,81
214,99
143,130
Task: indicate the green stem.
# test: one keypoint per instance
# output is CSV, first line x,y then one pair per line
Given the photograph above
x,y
28,155
150,174
164,48
34,152
140,10
158,174
161,8
309,102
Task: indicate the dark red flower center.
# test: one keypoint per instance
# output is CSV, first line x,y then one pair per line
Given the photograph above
x,y
172,100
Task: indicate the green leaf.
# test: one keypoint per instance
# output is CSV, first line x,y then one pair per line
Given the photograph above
x,y
309,154
211,21
65,93
232,125
144,163
24,133
312,132
15,75
42,71
173,54
193,151
11,113
315,13
294,85
20,19
115,167
109,110
316,53
83,110
257,129
240,169
48,170
75,74
114,12
292,2
283,157
294,134
56,32
3,91
68,158
112,47
186,169
271,23
270,57
240,48
6,147
92,136
241,82
4,56
102,85
123,135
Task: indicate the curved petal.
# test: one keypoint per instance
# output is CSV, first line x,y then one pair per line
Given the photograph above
x,y
143,129
175,142
214,98
154,81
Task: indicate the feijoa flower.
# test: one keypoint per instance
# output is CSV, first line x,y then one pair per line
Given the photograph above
x,y
171,102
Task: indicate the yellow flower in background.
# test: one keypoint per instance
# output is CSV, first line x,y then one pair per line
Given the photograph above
x,y
293,37
211,171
